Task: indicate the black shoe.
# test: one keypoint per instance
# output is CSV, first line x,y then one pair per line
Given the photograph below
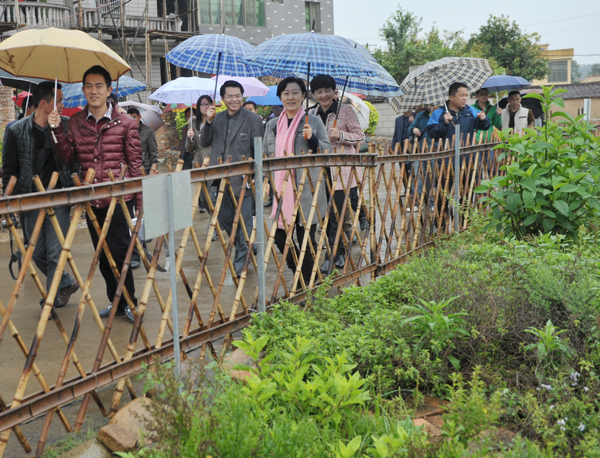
x,y
268,203
202,209
129,314
238,273
340,260
254,250
65,294
363,223
325,266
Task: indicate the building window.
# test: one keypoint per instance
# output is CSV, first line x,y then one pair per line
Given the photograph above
x,y
313,16
243,13
559,71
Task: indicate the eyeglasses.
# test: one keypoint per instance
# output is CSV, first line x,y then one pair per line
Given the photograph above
x,y
232,97
205,105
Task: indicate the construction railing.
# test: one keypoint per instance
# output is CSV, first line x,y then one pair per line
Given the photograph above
x,y
387,205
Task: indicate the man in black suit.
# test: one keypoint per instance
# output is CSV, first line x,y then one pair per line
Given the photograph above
x,y
232,133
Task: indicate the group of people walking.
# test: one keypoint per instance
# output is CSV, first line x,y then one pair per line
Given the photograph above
x,y
103,137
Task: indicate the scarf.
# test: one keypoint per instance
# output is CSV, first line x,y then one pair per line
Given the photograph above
x,y
284,145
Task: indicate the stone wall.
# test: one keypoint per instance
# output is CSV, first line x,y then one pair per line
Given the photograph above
x,y
387,119
167,137
7,107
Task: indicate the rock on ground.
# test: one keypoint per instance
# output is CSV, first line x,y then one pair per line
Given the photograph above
x,y
124,432
89,449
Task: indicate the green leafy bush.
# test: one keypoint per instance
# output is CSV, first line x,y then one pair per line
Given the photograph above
x,y
373,119
553,181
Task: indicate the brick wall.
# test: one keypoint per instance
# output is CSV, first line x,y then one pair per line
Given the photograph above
x,y
387,120
167,137
7,107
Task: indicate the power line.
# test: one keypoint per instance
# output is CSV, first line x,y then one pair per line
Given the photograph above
x,y
572,30
560,20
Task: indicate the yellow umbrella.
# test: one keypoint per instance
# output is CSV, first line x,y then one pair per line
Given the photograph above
x,y
57,54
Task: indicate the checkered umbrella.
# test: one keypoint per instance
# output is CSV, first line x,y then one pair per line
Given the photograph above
x,y
213,54
428,85
73,93
310,53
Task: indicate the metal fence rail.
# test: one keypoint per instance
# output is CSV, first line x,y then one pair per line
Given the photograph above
x,y
402,197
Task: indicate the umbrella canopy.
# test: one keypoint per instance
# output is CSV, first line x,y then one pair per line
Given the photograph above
x,y
57,53
499,83
148,113
73,93
213,54
269,99
428,85
141,106
252,86
533,104
21,83
183,90
360,108
177,107
18,99
310,53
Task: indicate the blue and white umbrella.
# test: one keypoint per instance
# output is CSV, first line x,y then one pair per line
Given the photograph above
x,y
310,53
73,93
213,54
269,99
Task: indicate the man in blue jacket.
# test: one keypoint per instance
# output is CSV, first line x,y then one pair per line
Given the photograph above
x,y
456,111
401,132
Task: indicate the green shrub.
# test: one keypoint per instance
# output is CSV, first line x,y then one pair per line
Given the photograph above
x,y
373,119
553,182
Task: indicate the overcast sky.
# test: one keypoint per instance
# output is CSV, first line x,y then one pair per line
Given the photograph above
x,y
561,23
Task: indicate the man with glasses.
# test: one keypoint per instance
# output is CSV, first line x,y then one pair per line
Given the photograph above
x,y
232,133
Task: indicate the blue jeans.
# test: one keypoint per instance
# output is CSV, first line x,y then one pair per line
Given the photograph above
x,y
47,249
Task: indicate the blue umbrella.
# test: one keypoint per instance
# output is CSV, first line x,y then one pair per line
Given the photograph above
x,y
302,53
213,54
73,93
498,83
269,99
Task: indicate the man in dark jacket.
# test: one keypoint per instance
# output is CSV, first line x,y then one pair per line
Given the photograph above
x,y
401,132
101,138
28,151
147,140
456,111
232,133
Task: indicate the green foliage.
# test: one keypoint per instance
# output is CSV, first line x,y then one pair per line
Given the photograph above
x,y
551,350
264,111
180,121
406,48
553,181
517,52
373,119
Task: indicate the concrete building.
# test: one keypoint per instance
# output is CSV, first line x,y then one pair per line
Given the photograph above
x,y
559,61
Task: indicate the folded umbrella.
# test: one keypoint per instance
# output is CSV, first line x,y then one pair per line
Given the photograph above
x,y
428,85
73,93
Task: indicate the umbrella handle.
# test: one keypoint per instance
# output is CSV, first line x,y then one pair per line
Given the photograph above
x,y
306,124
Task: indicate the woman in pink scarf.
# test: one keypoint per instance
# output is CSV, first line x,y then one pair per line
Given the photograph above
x,y
284,136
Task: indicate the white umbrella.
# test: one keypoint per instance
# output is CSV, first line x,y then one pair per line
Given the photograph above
x,y
252,86
360,108
148,113
184,90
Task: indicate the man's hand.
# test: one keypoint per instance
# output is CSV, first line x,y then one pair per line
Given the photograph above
x,y
481,116
211,112
54,119
267,189
447,117
416,132
498,110
334,133
190,134
307,132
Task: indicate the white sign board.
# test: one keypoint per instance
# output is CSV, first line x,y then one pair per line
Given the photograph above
x,y
156,192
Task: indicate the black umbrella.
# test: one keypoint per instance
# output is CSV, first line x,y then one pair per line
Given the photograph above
x,y
533,104
21,83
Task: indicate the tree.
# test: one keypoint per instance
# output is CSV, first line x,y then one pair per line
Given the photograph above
x,y
575,73
405,49
519,53
595,70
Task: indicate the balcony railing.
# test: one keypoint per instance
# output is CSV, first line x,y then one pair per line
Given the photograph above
x,y
32,14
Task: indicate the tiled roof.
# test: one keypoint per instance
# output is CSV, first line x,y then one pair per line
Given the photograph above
x,y
578,91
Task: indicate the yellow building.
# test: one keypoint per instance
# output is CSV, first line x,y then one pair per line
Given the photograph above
x,y
560,66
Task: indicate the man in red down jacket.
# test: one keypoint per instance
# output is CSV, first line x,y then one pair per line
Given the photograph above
x,y
101,138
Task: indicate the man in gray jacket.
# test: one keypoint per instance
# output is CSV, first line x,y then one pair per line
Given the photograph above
x,y
147,139
232,133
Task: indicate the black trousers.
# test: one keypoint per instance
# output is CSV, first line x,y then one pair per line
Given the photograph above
x,y
333,223
118,239
308,262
